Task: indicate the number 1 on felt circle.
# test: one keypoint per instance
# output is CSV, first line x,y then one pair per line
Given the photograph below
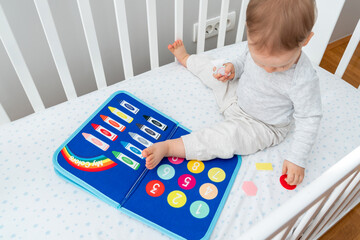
x,y
197,211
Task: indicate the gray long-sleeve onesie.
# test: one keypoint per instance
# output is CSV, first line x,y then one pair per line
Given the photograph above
x,y
279,98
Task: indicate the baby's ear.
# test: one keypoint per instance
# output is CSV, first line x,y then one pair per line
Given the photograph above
x,y
307,40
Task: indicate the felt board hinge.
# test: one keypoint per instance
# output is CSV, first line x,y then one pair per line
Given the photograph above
x,y
172,132
133,188
142,175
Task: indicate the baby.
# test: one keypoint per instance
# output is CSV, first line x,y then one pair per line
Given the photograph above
x,y
260,94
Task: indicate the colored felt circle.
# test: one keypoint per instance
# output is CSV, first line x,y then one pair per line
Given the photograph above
x,y
176,199
285,184
155,188
208,191
166,171
195,166
199,209
216,174
186,181
175,160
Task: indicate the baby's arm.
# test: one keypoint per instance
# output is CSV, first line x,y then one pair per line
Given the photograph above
x,y
305,95
232,69
228,72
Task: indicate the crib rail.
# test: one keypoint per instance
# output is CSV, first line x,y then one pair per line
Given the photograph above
x,y
317,207
16,58
53,40
86,15
52,37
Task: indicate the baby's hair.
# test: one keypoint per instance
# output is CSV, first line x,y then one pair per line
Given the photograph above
x,y
278,25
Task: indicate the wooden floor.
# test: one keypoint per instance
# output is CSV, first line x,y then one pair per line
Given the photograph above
x,y
349,227
332,57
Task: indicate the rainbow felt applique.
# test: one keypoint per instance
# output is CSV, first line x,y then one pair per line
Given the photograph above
x,y
94,164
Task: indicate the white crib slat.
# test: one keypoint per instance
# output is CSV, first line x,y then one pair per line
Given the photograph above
x,y
329,204
345,194
200,47
346,204
92,42
279,235
179,19
308,217
242,19
331,222
152,31
354,201
57,52
288,229
17,60
124,37
350,192
4,118
327,16
223,23
349,51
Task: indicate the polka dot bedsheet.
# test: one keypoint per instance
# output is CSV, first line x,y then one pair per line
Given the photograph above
x,y
37,203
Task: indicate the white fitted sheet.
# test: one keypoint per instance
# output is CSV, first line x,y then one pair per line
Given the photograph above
x,y
36,203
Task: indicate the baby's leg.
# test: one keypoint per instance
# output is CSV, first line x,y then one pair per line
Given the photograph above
x,y
224,92
169,148
202,67
179,51
232,136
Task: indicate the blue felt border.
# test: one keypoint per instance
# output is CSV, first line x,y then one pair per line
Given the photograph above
x,y
83,185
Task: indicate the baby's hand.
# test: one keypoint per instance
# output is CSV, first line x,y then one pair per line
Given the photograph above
x,y
295,173
227,74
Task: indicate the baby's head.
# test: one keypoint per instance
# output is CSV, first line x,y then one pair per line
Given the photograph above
x,y
277,30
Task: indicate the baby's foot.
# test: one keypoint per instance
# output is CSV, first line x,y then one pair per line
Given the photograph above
x,y
154,154
179,51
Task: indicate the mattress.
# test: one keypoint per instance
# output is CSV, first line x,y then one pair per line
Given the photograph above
x,y
34,201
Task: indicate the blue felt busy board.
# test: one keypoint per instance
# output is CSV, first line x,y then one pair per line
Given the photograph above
x,y
182,198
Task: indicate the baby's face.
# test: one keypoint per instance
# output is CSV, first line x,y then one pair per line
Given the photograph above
x,y
274,62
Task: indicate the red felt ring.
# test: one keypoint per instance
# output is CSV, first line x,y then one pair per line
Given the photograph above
x,y
285,184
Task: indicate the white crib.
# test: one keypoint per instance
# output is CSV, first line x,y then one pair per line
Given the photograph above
x,y
307,214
